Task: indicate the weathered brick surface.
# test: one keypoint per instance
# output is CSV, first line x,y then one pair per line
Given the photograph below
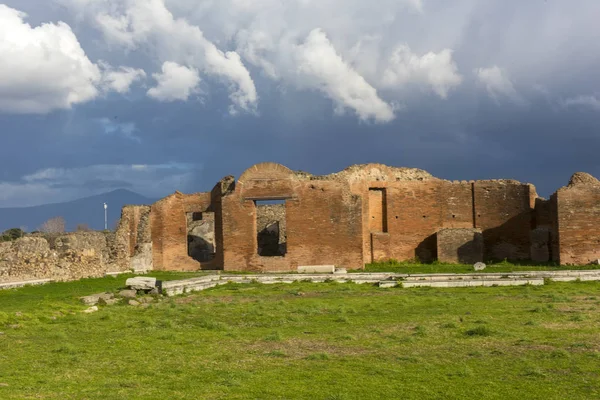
x,y
503,211
368,213
322,219
362,214
168,223
460,245
578,208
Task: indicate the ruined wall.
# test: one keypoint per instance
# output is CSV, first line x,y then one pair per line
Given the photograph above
x,y
414,216
503,211
141,259
324,226
168,222
365,213
323,221
578,209
61,257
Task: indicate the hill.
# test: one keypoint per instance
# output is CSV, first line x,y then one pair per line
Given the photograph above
x,y
88,210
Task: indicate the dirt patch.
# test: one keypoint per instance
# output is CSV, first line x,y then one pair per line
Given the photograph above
x,y
302,348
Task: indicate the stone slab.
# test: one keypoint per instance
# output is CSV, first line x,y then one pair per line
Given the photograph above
x,y
13,285
93,299
141,283
316,269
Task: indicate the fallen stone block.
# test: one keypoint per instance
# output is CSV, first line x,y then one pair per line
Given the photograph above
x,y
91,309
141,283
109,302
388,284
133,303
479,266
128,294
93,299
316,269
154,291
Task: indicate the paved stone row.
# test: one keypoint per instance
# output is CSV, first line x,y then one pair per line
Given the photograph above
x,y
387,279
383,279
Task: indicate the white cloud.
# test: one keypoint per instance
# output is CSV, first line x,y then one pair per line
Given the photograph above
x,y
63,184
42,68
273,36
325,70
496,82
176,82
589,101
396,46
150,23
437,70
121,79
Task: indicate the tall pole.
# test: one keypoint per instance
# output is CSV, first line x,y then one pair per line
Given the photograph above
x,y
105,220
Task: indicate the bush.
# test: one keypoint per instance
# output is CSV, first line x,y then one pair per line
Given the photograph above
x,y
11,234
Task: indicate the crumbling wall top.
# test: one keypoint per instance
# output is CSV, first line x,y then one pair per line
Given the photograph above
x,y
371,172
583,178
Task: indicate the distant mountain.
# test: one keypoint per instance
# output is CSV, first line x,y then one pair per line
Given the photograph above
x,y
89,210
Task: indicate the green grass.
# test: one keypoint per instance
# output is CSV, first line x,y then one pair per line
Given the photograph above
x,y
303,341
408,267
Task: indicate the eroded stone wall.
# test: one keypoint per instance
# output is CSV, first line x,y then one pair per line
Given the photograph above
x,y
61,257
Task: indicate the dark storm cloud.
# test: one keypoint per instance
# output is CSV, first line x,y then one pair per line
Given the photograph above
x,y
518,112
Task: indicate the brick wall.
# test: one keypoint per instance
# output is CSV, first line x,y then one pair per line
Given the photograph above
x,y
322,221
503,211
369,212
169,230
578,208
460,245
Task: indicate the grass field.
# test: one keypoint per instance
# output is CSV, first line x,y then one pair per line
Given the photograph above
x,y
316,341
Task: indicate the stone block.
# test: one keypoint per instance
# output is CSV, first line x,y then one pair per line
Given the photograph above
x,y
141,283
128,294
316,269
109,302
93,299
479,266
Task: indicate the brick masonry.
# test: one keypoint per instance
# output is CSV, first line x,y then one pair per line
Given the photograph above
x,y
363,214
374,212
460,245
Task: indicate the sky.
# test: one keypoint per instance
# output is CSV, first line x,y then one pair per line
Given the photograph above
x,y
162,95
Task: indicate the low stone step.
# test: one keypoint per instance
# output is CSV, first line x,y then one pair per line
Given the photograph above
x,y
316,269
18,284
474,283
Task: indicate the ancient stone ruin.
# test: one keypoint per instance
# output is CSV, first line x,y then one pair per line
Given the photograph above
x,y
275,219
